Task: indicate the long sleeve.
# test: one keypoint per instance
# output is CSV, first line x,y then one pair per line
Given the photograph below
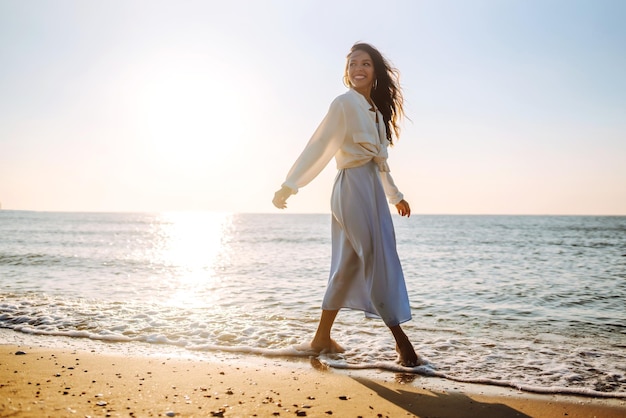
x,y
391,190
323,145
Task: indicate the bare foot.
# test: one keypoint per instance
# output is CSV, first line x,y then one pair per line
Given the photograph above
x,y
326,346
406,352
407,355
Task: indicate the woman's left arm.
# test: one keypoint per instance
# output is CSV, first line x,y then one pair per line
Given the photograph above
x,y
393,194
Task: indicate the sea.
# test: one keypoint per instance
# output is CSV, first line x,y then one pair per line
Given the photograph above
x,y
536,303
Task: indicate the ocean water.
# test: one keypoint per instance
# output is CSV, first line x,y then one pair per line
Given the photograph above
x,y
532,302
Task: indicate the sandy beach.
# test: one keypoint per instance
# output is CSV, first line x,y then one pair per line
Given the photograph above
x,y
40,382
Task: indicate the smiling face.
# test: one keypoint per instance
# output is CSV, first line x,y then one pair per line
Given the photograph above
x,y
360,69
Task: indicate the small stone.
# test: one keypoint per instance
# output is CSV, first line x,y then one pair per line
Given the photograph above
x,y
20,353
170,413
101,403
343,398
300,413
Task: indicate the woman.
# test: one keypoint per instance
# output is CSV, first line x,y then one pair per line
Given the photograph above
x,y
365,269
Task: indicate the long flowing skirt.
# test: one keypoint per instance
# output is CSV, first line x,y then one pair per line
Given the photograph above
x,y
365,269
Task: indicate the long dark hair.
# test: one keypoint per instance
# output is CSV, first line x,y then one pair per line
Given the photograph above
x,y
386,92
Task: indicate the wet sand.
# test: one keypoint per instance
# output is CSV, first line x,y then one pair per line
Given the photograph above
x,y
45,382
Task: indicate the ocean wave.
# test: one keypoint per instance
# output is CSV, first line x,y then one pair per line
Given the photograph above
x,y
31,259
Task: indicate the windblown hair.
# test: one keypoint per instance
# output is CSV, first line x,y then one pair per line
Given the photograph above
x,y
386,92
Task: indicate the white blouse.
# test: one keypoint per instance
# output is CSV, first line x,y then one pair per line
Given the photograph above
x,y
349,133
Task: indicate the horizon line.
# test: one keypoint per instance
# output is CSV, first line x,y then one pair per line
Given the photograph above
x,y
297,213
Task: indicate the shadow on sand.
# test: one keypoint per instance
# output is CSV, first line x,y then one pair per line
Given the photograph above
x,y
440,405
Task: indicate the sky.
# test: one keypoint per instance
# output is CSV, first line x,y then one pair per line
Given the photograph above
x,y
515,106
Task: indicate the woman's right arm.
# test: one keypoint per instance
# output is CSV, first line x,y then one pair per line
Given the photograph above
x,y
320,149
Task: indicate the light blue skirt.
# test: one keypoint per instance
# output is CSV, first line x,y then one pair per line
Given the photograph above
x,y
365,269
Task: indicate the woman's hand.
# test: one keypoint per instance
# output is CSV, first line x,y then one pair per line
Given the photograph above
x,y
280,197
403,208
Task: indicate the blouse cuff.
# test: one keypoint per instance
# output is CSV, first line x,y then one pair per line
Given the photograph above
x,y
293,188
394,200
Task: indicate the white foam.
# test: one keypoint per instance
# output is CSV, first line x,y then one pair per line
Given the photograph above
x,y
458,359
293,351
428,370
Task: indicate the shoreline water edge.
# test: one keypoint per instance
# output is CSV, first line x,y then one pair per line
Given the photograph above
x,y
42,381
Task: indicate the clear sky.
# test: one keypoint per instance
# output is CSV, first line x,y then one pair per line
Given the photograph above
x,y
516,106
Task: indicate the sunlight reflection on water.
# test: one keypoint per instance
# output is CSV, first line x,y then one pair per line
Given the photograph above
x,y
193,245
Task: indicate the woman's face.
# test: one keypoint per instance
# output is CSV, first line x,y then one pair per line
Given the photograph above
x,y
361,71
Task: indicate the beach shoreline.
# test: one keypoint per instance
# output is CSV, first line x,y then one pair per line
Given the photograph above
x,y
68,382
